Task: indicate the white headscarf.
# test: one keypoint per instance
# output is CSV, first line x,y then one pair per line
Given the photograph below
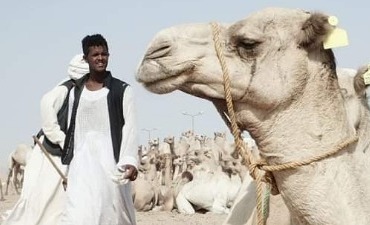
x,y
77,67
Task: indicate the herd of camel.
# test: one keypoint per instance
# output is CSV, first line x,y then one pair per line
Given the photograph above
x,y
166,166
190,173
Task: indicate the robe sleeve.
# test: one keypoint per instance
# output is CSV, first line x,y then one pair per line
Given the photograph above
x,y
50,104
129,144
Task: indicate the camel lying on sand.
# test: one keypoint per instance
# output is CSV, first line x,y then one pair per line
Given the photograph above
x,y
286,94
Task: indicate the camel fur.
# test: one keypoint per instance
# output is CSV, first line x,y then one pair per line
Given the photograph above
x,y
286,94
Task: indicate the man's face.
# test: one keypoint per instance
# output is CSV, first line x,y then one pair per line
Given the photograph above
x,y
97,58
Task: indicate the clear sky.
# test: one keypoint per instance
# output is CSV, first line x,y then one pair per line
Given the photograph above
x,y
38,39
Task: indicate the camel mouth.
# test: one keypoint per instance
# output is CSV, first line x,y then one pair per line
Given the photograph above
x,y
164,86
157,78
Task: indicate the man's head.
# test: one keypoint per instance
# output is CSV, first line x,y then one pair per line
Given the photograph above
x,y
96,53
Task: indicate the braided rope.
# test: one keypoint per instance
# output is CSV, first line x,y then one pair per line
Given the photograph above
x,y
266,203
292,165
247,155
255,168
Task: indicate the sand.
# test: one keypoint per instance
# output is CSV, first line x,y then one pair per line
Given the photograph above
x,y
145,218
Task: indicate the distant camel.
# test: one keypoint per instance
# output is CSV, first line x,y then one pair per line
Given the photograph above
x,y
17,161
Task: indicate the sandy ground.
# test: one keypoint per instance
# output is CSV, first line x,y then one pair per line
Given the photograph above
x,y
145,218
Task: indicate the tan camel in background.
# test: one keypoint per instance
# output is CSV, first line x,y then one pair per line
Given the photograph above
x,y
16,163
286,95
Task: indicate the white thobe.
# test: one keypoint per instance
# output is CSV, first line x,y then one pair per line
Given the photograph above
x,y
92,196
42,198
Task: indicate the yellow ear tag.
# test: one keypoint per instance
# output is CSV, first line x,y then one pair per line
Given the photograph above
x,y
367,76
337,37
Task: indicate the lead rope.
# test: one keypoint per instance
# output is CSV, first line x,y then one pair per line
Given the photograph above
x,y
256,168
247,156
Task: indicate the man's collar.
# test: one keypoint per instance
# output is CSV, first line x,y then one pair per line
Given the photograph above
x,y
106,83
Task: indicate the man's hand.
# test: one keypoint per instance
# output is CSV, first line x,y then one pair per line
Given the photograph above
x,y
130,172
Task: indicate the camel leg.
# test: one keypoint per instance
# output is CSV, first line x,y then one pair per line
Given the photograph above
x,y
183,205
22,178
1,191
15,179
10,174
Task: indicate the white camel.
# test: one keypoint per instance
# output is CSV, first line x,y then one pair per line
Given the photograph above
x,y
286,94
17,162
214,186
214,193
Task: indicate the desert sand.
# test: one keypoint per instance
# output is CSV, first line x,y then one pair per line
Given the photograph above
x,y
144,218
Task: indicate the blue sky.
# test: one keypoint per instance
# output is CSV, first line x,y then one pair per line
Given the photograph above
x,y
38,39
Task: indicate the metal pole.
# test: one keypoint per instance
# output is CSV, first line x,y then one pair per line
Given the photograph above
x,y
192,118
149,131
192,124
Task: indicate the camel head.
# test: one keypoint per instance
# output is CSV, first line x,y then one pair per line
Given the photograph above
x,y
281,76
268,55
219,135
169,139
359,84
187,134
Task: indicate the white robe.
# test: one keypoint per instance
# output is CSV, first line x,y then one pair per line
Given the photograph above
x,y
42,198
92,196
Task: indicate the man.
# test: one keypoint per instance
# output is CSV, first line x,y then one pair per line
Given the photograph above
x,y
101,140
42,198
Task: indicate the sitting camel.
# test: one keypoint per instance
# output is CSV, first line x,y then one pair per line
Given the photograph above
x,y
286,94
152,189
145,187
144,194
213,187
17,162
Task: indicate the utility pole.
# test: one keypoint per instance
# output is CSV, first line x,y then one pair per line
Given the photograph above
x,y
149,132
192,118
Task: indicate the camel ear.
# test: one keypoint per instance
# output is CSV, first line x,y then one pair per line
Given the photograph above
x,y
359,80
314,31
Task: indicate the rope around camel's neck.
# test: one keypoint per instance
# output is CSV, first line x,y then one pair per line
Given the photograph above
x,y
254,166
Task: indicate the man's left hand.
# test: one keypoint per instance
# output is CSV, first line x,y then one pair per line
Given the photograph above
x,y
130,172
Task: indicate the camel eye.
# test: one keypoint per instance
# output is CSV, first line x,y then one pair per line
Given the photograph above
x,y
248,44
247,47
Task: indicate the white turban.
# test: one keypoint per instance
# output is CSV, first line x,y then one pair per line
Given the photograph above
x,y
77,67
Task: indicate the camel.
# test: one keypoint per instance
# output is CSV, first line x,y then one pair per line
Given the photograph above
x,y
145,187
152,189
17,162
221,143
213,189
144,194
286,94
214,184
